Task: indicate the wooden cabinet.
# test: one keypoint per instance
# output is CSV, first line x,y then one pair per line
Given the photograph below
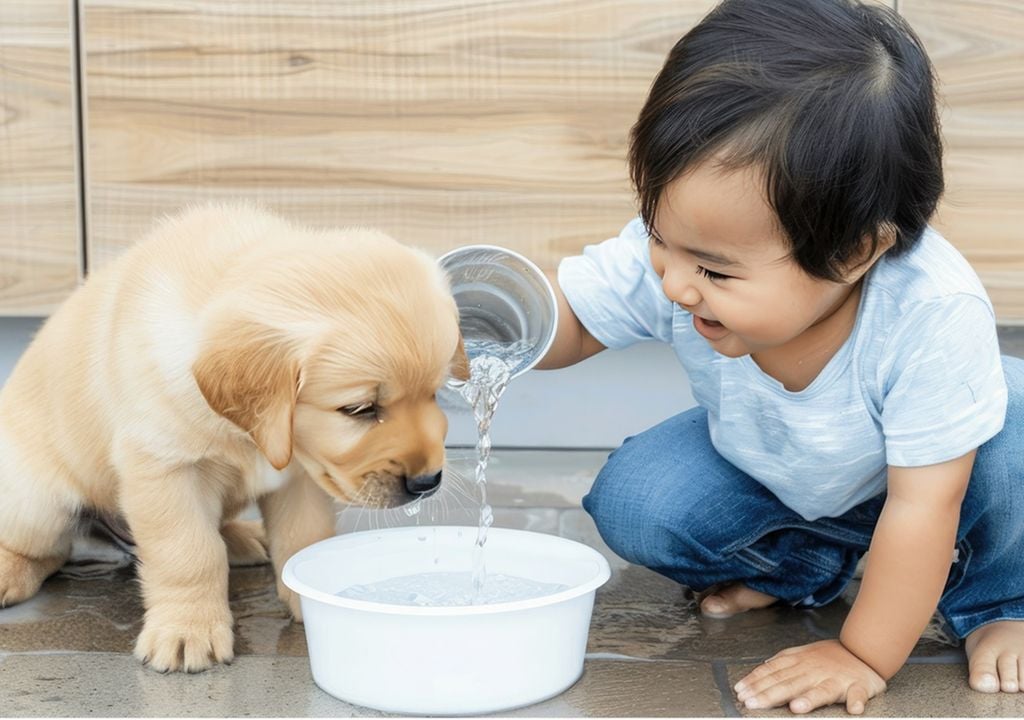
x,y
444,122
977,47
39,228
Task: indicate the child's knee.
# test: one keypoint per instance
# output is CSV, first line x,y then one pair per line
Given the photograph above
x,y
615,513
640,526
652,493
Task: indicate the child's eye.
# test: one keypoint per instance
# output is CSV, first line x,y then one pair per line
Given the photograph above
x,y
710,274
657,241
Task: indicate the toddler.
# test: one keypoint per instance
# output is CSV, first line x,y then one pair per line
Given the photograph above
x,y
843,355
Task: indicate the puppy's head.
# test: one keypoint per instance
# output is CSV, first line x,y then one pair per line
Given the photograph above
x,y
335,358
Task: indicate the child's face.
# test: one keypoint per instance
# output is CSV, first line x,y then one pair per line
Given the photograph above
x,y
722,257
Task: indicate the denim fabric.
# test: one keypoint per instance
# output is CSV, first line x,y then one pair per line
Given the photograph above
x,y
667,500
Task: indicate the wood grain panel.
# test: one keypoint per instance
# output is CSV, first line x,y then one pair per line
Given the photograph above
x,y
39,227
977,47
442,122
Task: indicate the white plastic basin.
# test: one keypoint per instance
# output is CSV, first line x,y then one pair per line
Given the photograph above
x,y
445,660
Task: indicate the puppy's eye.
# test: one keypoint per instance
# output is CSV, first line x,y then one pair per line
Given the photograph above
x,y
366,410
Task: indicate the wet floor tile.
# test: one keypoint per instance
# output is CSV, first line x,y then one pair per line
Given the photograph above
x,y
85,615
113,685
615,688
530,478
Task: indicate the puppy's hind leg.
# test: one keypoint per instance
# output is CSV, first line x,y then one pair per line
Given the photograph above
x,y
36,522
22,576
246,542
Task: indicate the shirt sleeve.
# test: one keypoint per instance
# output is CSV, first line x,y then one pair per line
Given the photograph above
x,y
945,394
615,292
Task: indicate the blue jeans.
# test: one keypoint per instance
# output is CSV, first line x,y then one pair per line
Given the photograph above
x,y
667,500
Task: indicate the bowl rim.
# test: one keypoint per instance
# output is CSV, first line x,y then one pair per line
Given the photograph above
x,y
289,578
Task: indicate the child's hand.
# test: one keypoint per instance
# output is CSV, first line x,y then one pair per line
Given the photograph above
x,y
809,677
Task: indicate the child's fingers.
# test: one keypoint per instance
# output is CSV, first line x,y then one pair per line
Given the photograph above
x,y
765,670
818,696
856,698
763,684
777,690
751,685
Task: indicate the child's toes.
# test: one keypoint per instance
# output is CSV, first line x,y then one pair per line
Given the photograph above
x,y
995,654
983,677
1009,679
728,600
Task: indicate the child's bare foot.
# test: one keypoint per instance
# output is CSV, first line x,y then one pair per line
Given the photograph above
x,y
995,656
728,600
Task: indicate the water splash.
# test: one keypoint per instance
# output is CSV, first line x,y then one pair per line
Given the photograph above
x,y
491,366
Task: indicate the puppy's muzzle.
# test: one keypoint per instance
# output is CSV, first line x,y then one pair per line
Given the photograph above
x,y
423,485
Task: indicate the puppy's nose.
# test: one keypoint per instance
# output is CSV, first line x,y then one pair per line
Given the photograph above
x,y
423,484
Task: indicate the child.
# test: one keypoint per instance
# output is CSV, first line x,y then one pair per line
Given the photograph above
x,y
843,355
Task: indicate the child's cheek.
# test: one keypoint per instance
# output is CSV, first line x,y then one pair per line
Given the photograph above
x,y
658,264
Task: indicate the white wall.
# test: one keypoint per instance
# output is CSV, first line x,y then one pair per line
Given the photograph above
x,y
595,404
15,334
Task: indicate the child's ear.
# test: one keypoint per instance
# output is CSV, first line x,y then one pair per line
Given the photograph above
x,y
887,234
871,252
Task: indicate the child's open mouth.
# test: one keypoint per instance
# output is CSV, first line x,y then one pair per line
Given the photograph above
x,y
710,329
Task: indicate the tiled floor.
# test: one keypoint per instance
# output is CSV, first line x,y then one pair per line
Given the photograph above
x,y
67,652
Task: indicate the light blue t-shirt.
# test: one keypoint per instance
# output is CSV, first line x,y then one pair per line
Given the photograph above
x,y
919,381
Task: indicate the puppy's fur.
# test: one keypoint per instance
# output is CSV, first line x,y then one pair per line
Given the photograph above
x,y
229,356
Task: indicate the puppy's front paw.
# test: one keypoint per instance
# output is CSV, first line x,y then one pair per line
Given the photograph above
x,y
189,637
246,542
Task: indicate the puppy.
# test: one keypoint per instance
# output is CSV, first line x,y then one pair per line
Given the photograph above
x,y
229,356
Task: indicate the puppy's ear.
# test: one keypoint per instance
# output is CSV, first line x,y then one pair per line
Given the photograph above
x,y
460,362
250,375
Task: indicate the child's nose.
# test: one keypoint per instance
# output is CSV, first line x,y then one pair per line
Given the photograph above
x,y
679,289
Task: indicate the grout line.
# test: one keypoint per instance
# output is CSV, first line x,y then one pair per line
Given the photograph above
x,y
618,657
720,673
79,114
951,658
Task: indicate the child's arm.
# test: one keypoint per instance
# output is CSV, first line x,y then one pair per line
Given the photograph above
x,y
910,556
573,342
911,553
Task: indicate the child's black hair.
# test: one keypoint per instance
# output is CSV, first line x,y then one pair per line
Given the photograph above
x,y
833,100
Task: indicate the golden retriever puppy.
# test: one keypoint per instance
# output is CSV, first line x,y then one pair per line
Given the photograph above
x,y
229,356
